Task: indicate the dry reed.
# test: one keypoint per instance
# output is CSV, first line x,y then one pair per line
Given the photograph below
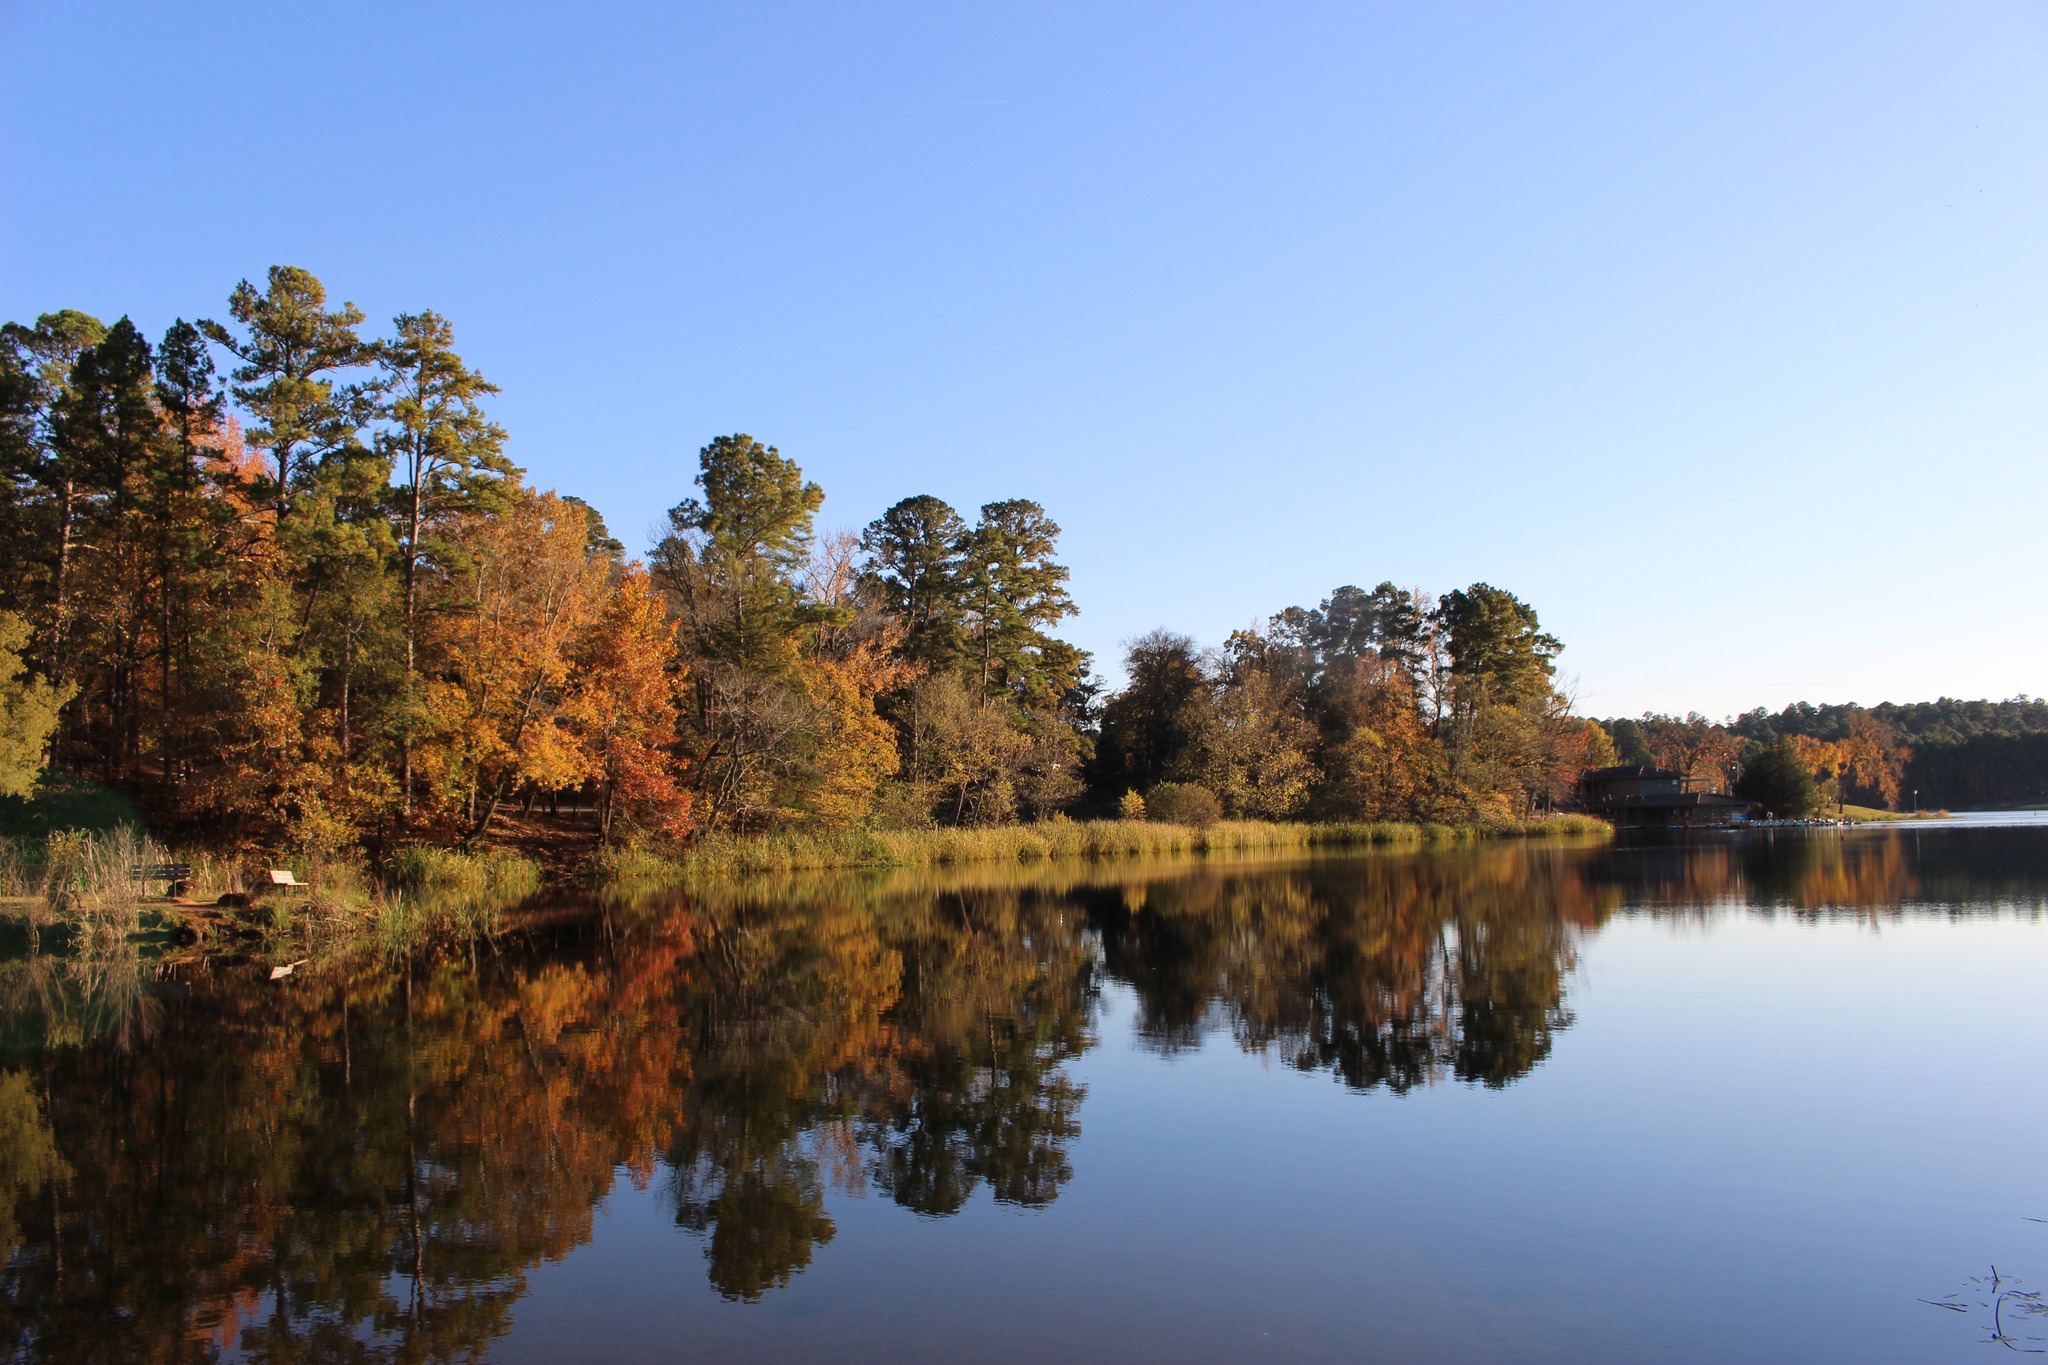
x,y
717,855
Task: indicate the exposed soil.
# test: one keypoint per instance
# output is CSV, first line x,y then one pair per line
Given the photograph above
x,y
561,844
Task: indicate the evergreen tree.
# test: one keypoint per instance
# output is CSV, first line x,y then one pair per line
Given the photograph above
x,y
1012,588
1777,780
915,555
44,474
1499,653
1150,729
732,558
293,355
108,437
448,460
188,529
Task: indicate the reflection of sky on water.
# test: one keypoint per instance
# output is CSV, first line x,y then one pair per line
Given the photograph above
x,y
1993,818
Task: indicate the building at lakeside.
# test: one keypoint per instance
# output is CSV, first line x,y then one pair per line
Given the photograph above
x,y
1638,796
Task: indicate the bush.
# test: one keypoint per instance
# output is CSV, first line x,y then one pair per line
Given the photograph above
x,y
1183,803
1130,807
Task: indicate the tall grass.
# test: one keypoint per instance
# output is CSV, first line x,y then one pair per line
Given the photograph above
x,y
21,868
790,851
88,879
450,889
81,881
495,873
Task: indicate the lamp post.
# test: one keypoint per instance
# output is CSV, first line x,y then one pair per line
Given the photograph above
x,y
1916,800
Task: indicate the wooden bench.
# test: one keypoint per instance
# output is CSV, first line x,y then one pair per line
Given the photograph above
x,y
173,875
282,876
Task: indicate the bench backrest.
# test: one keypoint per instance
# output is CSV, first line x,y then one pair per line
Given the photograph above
x,y
281,876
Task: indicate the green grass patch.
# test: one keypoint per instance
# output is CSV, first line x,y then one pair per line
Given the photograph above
x,y
1862,814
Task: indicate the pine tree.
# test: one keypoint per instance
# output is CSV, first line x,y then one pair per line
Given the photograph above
x,y
915,557
448,460
292,357
40,361
1012,588
732,558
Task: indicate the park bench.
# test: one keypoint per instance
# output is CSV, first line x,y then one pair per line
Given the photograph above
x,y
283,876
173,875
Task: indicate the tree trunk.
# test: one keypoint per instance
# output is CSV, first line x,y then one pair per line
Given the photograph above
x,y
412,568
60,589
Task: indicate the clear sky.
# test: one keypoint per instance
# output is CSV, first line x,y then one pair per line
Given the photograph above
x,y
1719,332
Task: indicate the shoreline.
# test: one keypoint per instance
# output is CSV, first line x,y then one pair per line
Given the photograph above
x,y
724,856
428,888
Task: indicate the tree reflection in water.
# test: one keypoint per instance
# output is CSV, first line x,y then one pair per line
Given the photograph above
x,y
364,1163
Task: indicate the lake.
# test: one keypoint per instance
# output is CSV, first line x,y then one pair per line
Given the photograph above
x,y
1761,1098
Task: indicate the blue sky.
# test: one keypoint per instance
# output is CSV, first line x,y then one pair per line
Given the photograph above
x,y
1717,331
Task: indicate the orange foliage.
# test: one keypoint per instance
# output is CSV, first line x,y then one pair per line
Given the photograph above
x,y
624,709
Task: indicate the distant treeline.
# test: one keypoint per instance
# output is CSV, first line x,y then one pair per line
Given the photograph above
x,y
275,581
1958,755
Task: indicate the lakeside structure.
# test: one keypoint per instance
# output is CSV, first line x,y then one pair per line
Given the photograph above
x,y
1639,796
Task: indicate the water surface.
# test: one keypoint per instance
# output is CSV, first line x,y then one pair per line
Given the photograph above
x,y
1751,1099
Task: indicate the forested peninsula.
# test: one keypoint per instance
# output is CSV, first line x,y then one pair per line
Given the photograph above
x,y
272,586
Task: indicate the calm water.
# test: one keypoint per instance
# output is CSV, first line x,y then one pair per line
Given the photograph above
x,y
1747,1101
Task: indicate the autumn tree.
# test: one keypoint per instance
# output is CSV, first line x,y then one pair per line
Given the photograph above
x,y
1874,758
1255,741
623,710
1702,752
533,587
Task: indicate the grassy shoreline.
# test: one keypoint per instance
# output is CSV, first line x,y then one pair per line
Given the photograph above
x,y
725,855
79,884
1872,815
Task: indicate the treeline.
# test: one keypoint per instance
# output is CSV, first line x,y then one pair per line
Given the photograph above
x,y
1939,754
309,601
276,580
1385,704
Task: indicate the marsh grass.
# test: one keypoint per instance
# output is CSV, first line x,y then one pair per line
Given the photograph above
x,y
88,881
720,855
78,883
488,874
21,868
427,890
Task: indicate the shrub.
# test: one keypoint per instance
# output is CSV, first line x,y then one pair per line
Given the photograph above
x,y
1131,807
1183,803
